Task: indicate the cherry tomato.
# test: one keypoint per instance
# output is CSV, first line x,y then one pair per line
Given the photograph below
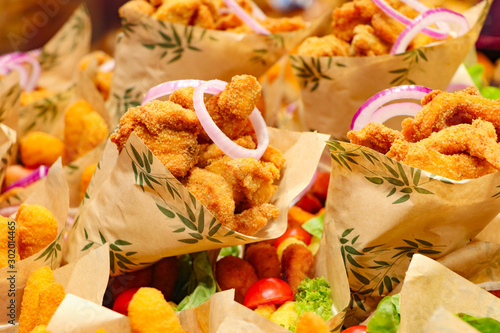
x,y
310,203
495,292
122,301
298,233
268,291
355,329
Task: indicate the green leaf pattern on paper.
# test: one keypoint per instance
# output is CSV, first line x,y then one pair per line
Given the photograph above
x,y
53,251
411,58
310,70
131,98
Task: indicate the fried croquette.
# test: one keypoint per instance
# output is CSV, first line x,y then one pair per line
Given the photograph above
x,y
149,312
235,273
165,274
39,148
87,175
8,234
296,264
375,136
49,300
38,280
264,259
40,329
37,228
310,322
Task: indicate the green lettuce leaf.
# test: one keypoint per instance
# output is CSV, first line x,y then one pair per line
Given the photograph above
x,y
313,295
476,71
314,226
484,325
229,251
387,317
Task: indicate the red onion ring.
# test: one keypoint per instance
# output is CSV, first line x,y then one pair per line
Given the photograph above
x,y
429,17
420,7
229,147
36,175
8,211
15,61
257,12
386,8
365,113
246,18
167,88
389,111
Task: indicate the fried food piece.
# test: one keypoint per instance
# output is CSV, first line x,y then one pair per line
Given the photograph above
x,y
310,322
103,81
87,175
35,95
99,55
167,129
230,108
296,264
442,108
38,280
213,192
365,43
40,329
375,136
84,129
149,312
327,46
350,15
211,152
39,148
129,280
286,315
253,219
37,229
235,273
275,25
178,11
274,156
265,310
165,274
297,216
264,259
6,234
49,300
183,97
137,5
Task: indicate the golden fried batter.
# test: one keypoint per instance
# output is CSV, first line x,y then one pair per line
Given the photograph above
x,y
365,43
351,14
375,136
178,11
211,152
327,46
296,264
39,148
5,238
253,219
264,259
310,322
233,272
48,302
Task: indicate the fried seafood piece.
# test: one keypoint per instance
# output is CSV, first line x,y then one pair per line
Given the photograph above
x,y
296,264
39,148
165,274
375,136
84,129
183,97
167,129
37,229
350,15
442,108
274,156
38,280
211,152
178,11
264,259
40,329
233,272
456,166
327,46
275,25
7,235
310,322
49,300
149,312
137,5
253,219
366,43
230,108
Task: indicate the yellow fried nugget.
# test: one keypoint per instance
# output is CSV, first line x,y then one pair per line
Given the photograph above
x,y
8,241
84,129
37,228
35,95
40,329
48,302
310,322
87,174
38,280
149,312
39,148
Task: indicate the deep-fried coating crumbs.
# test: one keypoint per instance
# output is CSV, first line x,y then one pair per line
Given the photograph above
x,y
310,322
264,259
327,46
211,152
37,229
296,264
39,148
149,312
375,136
233,272
5,239
365,43
49,300
40,329
87,175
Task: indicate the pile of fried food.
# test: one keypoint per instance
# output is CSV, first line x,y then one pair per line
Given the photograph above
x,y
101,78
360,28
454,135
34,228
237,191
211,14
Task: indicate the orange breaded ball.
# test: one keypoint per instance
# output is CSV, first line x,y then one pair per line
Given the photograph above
x,y
149,312
37,229
310,322
39,148
5,238
87,174
233,272
49,300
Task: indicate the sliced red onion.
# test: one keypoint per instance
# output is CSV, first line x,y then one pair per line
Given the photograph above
x,y
456,87
36,175
229,147
15,61
246,18
167,88
429,17
365,113
21,70
386,8
389,111
420,7
108,66
8,211
257,12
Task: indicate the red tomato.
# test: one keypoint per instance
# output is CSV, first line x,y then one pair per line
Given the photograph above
x,y
309,203
355,329
495,292
298,233
268,291
123,300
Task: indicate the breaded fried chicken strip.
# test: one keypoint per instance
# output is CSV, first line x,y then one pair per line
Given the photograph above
x,y
327,46
310,322
264,259
211,152
252,220
351,14
167,129
230,109
296,264
49,300
366,43
5,238
233,272
440,108
375,136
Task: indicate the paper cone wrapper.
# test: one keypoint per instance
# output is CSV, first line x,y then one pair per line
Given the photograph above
x,y
7,146
443,321
53,195
385,212
134,202
10,101
150,51
333,88
429,285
